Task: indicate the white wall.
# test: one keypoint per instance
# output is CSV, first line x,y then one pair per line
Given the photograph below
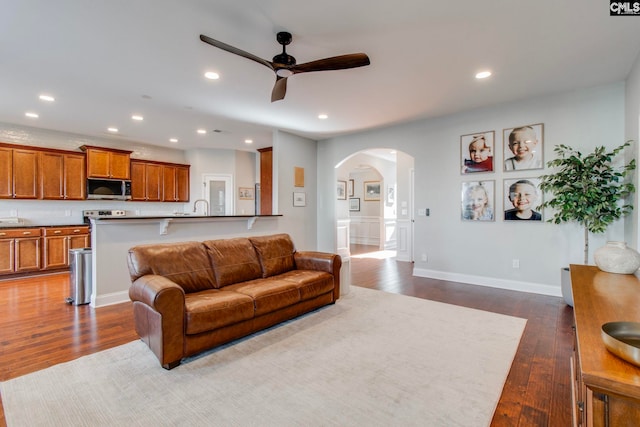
x,y
632,132
290,151
483,252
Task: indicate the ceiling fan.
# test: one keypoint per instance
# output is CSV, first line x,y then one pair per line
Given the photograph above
x,y
284,65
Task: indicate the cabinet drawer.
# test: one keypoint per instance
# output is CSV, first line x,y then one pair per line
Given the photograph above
x,y
10,233
65,231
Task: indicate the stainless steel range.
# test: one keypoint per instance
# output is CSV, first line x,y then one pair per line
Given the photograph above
x,y
102,213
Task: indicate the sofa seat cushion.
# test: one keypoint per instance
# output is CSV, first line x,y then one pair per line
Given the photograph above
x,y
234,260
310,283
275,253
215,308
268,294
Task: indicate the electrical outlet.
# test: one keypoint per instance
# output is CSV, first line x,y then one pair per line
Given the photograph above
x,y
424,257
515,263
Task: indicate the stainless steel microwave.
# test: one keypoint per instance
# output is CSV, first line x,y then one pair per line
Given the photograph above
x,y
108,189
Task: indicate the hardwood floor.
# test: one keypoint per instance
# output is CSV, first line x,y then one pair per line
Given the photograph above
x,y
39,330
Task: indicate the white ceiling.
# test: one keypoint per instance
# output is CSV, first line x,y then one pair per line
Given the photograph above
x,y
106,60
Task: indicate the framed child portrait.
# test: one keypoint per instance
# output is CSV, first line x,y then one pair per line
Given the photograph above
x,y
523,147
478,199
522,198
476,152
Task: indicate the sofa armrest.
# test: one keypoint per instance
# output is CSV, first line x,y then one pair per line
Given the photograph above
x,y
321,261
159,316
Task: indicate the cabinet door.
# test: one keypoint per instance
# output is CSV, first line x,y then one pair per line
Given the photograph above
x,y
182,184
120,165
138,181
75,179
6,173
56,252
51,175
7,251
25,174
27,254
154,182
169,183
98,164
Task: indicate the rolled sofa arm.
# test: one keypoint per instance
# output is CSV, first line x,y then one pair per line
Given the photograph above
x,y
159,313
321,261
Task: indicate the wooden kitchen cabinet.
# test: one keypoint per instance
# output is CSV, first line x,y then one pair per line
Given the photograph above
x,y
266,181
175,183
62,176
57,241
107,163
606,388
19,173
19,250
146,181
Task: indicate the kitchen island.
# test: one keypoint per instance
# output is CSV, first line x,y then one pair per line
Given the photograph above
x,y
111,239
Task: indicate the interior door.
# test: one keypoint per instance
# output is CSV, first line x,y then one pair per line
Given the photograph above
x,y
218,191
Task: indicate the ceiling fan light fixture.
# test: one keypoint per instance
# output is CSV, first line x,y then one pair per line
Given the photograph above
x,y
284,72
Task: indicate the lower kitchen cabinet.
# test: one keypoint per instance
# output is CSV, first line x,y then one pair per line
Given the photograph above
x,y
19,250
27,250
56,244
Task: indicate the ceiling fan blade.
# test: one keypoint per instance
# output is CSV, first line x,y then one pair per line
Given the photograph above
x,y
341,62
236,51
279,89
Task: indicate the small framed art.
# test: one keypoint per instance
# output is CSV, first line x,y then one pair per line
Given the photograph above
x,y
354,204
299,198
245,193
371,190
341,190
350,189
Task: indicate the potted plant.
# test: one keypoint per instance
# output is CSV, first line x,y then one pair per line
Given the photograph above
x,y
588,189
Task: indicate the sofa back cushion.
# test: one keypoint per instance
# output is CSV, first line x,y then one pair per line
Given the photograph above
x,y
233,260
275,253
185,263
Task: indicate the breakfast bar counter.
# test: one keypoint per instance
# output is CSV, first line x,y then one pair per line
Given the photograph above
x,y
112,237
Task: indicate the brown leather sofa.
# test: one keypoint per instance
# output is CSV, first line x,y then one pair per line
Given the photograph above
x,y
191,296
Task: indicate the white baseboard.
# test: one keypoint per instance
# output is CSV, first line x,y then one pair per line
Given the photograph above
x,y
513,285
110,299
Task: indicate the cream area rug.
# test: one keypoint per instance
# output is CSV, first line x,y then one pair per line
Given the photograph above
x,y
371,359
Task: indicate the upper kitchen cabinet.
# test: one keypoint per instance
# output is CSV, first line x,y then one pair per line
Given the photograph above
x,y
107,163
175,183
19,173
62,176
145,181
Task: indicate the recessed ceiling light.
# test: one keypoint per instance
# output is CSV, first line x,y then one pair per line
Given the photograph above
x,y
112,129
32,115
47,98
483,74
211,75
201,131
248,141
137,118
323,116
174,140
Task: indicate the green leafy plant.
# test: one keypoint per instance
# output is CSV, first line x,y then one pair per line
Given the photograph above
x,y
588,189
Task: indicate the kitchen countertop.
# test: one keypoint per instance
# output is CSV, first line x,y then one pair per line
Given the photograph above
x,y
120,218
15,225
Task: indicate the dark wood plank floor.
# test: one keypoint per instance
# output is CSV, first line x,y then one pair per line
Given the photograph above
x,y
37,330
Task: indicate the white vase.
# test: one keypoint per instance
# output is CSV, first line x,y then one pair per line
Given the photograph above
x,y
616,257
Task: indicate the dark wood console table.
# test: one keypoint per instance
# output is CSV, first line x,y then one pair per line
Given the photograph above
x,y
606,389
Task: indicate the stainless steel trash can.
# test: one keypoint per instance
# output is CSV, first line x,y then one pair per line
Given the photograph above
x,y
81,281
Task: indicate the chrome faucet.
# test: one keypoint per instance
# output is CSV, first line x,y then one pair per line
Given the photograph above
x,y
206,206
